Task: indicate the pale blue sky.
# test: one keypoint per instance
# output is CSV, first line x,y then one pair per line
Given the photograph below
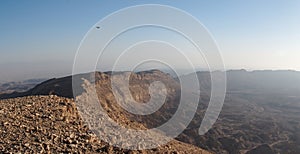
x,y
40,38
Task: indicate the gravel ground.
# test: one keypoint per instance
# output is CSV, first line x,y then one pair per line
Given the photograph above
x,y
51,124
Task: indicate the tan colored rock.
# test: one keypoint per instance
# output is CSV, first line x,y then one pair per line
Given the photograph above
x,y
36,133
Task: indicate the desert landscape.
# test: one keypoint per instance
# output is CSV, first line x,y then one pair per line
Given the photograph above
x,y
143,77
262,118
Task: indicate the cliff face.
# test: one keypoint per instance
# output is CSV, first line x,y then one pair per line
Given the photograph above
x,y
139,89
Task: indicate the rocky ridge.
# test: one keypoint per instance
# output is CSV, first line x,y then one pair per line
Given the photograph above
x,y
51,124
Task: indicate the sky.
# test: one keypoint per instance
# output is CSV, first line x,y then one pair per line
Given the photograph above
x,y
39,39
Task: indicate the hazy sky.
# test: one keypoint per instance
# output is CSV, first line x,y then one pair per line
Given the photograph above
x,y
40,38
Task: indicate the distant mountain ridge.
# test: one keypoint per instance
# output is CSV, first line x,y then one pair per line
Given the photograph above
x,y
20,86
237,81
55,86
63,86
264,82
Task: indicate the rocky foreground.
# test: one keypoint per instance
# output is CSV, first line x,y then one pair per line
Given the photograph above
x,y
51,124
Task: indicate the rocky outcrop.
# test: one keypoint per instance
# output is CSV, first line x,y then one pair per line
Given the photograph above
x,y
51,124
